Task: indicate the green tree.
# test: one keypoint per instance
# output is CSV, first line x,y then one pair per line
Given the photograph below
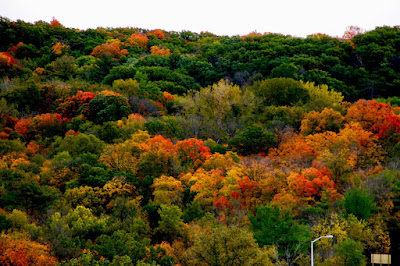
x,y
68,233
120,73
252,141
79,144
272,226
19,219
351,253
102,67
128,87
94,176
25,95
7,146
285,70
5,222
121,243
359,202
22,191
216,111
322,97
64,67
107,108
84,224
171,224
280,91
7,109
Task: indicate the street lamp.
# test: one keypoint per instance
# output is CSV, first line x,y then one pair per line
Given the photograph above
x,y
312,247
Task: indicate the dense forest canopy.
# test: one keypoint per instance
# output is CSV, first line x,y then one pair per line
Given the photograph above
x,y
129,146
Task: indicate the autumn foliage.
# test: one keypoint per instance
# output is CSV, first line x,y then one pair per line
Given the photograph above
x,y
129,146
370,114
7,60
60,48
75,105
112,49
312,183
327,120
55,23
159,51
23,126
137,39
192,152
18,249
157,32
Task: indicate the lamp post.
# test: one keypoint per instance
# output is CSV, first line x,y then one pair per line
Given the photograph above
x,y
312,247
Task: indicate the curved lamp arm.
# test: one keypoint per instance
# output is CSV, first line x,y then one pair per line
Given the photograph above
x,y
312,246
328,236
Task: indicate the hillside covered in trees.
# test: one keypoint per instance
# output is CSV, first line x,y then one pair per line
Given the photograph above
x,y
128,146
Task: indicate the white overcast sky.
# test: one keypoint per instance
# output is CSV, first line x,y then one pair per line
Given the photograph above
x,y
221,17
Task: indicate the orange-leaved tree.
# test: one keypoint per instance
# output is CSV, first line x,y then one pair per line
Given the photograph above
x,y
207,184
192,153
389,131
342,152
156,156
315,122
137,39
24,126
55,23
247,192
131,125
60,48
17,249
75,105
159,50
7,119
352,31
370,114
157,32
6,60
167,97
112,49
349,34
313,184
293,150
50,125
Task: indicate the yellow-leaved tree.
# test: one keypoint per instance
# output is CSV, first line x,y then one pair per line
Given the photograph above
x,y
167,190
